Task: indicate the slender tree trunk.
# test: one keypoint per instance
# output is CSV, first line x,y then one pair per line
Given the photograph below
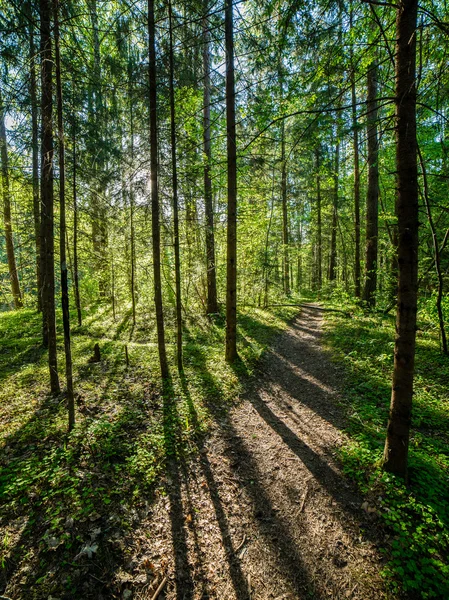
x,y
212,305
372,199
13,275
398,431
285,215
298,249
355,140
231,270
131,198
47,196
62,226
113,286
175,199
319,244
267,240
436,250
155,192
99,223
35,164
334,226
75,236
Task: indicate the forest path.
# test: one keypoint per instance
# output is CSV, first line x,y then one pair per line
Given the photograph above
x,y
264,511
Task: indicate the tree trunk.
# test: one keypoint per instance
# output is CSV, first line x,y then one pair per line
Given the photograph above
x,y
334,226
13,275
212,305
35,164
284,215
355,140
155,192
99,225
75,236
131,196
319,244
372,199
397,441
62,226
231,259
47,198
175,199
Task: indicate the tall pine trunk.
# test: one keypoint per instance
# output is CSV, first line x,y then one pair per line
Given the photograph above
x,y
12,268
62,227
131,194
175,198
372,198
35,164
47,198
155,209
231,259
355,141
99,222
398,431
212,305
286,274
334,225
319,243
75,234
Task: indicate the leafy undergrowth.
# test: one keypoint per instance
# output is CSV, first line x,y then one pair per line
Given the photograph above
x,y
416,516
68,501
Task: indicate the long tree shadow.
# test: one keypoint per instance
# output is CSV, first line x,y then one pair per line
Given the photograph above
x,y
319,465
275,530
239,582
172,433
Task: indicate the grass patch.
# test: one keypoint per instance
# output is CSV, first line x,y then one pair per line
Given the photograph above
x,y
68,501
417,516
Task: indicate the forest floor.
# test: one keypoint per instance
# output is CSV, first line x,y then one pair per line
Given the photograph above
x,y
264,510
226,485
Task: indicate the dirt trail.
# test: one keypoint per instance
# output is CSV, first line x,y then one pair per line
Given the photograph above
x,y
264,511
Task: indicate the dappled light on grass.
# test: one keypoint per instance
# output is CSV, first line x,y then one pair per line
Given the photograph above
x,y
68,501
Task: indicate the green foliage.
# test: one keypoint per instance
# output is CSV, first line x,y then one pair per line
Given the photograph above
x,y
416,516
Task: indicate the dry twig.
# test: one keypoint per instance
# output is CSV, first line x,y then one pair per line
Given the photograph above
x,y
159,589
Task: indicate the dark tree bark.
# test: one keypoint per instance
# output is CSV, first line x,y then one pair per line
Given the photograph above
x,y
47,197
372,198
175,199
285,236
355,141
35,164
75,234
319,243
334,226
12,268
99,222
155,192
231,259
212,305
398,431
131,194
62,226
